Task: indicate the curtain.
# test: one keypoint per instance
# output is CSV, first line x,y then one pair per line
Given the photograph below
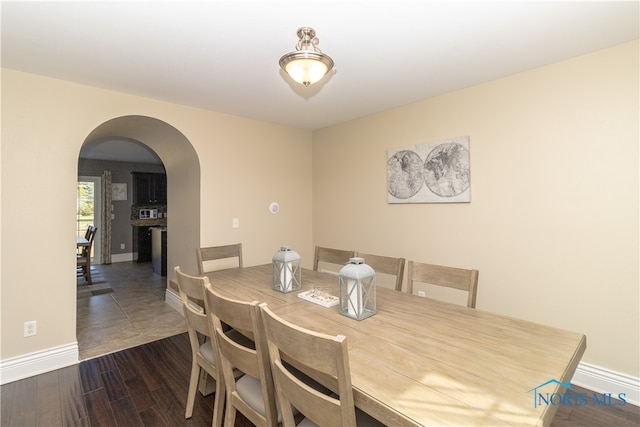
x,y
106,218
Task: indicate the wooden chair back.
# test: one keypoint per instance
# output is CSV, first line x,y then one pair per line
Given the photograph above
x,y
90,236
331,256
321,353
203,351
386,265
450,277
255,401
214,253
83,259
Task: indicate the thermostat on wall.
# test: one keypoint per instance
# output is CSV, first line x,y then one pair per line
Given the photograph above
x,y
274,208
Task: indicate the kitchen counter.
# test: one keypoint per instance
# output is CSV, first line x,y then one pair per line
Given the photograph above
x,y
157,222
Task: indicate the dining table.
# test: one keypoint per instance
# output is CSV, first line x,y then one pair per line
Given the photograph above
x,y
420,361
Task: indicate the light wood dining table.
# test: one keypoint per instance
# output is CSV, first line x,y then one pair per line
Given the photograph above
x,y
419,361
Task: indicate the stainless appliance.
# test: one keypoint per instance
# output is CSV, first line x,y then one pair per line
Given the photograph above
x,y
148,214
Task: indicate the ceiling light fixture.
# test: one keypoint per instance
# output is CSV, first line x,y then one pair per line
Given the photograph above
x,y
307,64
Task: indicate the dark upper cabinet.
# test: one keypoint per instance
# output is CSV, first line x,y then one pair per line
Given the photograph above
x,y
149,188
160,188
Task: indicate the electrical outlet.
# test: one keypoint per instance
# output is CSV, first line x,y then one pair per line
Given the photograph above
x,y
30,328
422,294
235,223
121,245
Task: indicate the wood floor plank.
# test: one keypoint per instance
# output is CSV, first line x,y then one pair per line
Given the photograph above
x,y
136,386
153,418
125,413
113,385
139,393
90,378
126,365
23,412
99,409
48,402
6,397
171,369
74,411
105,363
171,408
594,414
145,366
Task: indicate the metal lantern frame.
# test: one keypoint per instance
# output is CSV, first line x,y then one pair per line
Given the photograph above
x,y
287,274
357,282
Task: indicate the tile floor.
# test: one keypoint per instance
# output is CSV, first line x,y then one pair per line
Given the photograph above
x,y
134,313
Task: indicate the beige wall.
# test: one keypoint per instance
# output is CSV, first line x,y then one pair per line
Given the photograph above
x,y
552,226
44,124
553,221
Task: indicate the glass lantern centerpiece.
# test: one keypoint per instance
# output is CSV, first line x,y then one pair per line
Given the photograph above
x,y
357,289
286,270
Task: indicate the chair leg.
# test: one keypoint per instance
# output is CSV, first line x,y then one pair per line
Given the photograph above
x,y
193,385
230,414
218,403
87,274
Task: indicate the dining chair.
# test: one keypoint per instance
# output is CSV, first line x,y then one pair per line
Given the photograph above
x,y
324,355
330,256
218,253
450,277
83,259
204,355
252,394
386,265
87,234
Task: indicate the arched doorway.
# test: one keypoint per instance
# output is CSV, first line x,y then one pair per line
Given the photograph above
x,y
183,182
183,179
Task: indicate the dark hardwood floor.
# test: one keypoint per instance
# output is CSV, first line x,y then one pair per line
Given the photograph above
x,y
140,386
147,386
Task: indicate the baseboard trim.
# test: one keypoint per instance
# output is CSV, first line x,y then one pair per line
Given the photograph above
x,y
39,362
604,380
173,299
122,257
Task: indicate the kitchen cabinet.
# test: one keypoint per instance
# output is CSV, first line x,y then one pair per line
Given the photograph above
x,y
149,188
142,236
159,250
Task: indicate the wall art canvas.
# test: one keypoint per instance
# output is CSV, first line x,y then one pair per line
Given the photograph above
x,y
119,191
430,173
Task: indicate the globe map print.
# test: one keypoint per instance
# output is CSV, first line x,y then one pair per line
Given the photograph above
x,y
405,171
447,169
437,172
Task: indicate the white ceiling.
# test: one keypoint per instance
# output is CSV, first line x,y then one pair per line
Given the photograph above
x,y
223,55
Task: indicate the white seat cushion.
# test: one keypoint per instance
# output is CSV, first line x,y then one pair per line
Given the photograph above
x,y
250,390
206,350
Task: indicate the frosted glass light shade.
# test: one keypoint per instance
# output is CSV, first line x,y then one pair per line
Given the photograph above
x,y
306,68
307,64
